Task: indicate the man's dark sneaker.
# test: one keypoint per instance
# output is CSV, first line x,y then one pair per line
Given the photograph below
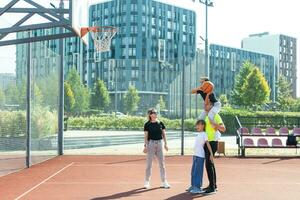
x,y
206,188
210,191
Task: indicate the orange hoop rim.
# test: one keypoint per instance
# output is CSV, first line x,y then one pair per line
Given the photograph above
x,y
95,29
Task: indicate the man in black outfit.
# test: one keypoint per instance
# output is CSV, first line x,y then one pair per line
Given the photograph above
x,y
213,137
210,168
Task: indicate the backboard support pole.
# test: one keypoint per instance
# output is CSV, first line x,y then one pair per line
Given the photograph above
x,y
61,91
55,18
28,107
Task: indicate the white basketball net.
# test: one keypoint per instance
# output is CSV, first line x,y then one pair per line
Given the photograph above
x,y
102,39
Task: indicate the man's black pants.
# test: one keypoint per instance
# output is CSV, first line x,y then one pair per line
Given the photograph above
x,y
210,167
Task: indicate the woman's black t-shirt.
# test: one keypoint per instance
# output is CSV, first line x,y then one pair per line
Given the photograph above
x,y
154,130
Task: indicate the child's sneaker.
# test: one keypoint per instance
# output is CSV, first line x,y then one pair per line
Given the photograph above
x,y
189,189
146,185
165,185
197,191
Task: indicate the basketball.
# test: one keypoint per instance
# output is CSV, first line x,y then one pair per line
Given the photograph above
x,y
207,87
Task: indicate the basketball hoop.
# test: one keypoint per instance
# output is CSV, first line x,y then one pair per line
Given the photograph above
x,y
101,35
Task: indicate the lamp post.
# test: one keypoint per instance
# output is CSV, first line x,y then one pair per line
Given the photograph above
x,y
207,3
116,81
169,67
182,104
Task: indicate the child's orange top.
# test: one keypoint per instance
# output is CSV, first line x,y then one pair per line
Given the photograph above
x,y
207,87
206,91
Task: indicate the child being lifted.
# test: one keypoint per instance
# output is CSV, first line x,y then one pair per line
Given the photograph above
x,y
211,105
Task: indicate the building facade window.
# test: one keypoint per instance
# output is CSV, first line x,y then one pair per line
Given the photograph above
x,y
184,38
134,29
153,21
169,15
135,74
134,8
132,52
169,35
144,8
184,18
153,31
124,7
134,18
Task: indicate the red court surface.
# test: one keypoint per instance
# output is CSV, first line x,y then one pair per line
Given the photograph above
x,y
121,177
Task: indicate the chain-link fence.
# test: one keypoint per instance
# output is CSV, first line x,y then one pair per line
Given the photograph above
x,y
18,120
118,127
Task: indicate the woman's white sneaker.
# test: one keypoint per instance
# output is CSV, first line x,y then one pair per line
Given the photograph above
x,y
146,185
165,185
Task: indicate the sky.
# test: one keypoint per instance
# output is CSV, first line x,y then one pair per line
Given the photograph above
x,y
229,21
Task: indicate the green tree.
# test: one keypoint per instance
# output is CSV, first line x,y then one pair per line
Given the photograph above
x,y
296,105
223,99
81,93
69,100
255,91
131,100
161,103
100,98
12,95
2,98
284,98
239,82
50,92
36,95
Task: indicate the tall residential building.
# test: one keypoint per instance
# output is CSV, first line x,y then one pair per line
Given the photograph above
x,y
225,63
284,50
153,35
7,79
45,56
147,52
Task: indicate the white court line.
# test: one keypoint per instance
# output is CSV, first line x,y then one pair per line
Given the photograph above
x,y
171,182
106,183
36,186
122,165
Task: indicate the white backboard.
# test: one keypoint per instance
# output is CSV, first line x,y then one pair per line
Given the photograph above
x,y
80,17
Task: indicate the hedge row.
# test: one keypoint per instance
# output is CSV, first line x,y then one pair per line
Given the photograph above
x,y
136,123
262,119
44,122
115,123
13,123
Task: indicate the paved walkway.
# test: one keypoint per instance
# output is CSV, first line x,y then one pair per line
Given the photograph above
x,y
126,142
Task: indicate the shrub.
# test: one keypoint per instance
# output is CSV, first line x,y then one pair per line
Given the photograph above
x,y
13,123
44,122
137,123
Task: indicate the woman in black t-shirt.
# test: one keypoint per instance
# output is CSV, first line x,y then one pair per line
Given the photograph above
x,y
155,132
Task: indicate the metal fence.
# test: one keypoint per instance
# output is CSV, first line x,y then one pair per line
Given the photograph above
x,y
29,115
170,80
270,121
262,122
